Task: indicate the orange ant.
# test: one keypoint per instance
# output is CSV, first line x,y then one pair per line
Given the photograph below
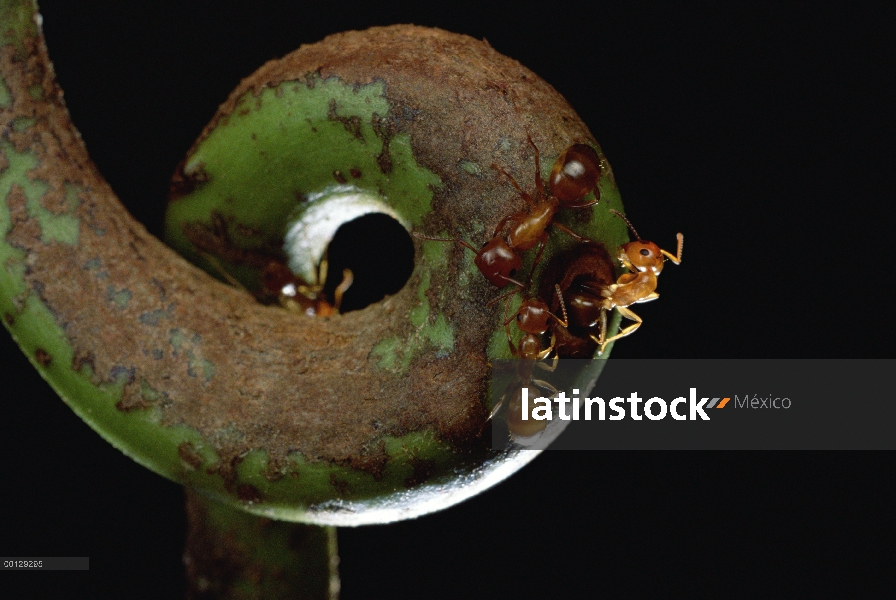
x,y
644,260
575,173
532,318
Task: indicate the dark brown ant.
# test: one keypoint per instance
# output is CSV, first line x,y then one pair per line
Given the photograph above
x,y
533,318
294,294
281,285
575,173
278,283
495,260
589,306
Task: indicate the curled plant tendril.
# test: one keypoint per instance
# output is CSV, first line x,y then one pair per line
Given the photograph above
x,y
369,416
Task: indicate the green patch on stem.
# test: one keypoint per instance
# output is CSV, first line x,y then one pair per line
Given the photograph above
x,y
121,298
63,228
136,433
430,330
470,167
308,483
441,334
263,164
20,123
385,352
5,97
435,258
17,24
420,313
190,346
179,452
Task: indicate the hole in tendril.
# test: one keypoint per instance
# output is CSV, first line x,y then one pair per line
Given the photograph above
x,y
380,254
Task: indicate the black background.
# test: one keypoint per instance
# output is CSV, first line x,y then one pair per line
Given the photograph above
x,y
762,133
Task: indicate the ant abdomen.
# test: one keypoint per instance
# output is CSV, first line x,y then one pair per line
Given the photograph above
x,y
584,308
576,172
518,426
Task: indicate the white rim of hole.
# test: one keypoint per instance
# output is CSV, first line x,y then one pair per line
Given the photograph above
x,y
315,223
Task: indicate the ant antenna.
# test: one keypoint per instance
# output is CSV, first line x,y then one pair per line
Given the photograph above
x,y
627,222
565,321
347,279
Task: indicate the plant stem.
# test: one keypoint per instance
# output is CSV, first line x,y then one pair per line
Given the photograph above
x,y
233,555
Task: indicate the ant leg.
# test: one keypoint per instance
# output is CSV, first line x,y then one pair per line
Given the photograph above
x,y
516,186
603,332
541,243
550,368
563,228
544,353
502,297
628,314
587,204
463,243
213,260
545,386
322,270
496,408
539,184
514,282
512,387
670,256
498,405
347,279
513,349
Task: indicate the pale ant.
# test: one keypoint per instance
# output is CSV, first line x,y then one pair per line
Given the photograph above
x,y
575,173
644,260
533,318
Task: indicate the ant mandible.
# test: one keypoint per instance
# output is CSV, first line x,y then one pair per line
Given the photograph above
x,y
645,261
575,173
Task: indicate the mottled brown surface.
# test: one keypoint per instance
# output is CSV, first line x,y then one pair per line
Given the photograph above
x,y
284,382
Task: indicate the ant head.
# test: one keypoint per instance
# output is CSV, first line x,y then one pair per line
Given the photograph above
x,y
275,276
645,256
532,316
497,261
642,254
575,174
